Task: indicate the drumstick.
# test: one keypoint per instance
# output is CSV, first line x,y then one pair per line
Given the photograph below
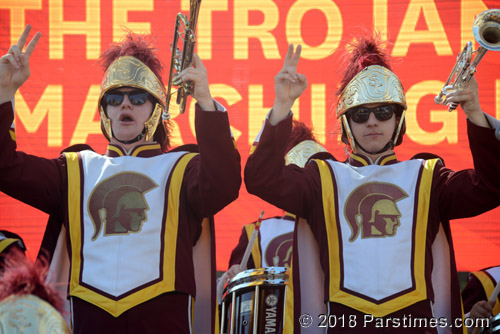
x,y
244,261
493,298
494,295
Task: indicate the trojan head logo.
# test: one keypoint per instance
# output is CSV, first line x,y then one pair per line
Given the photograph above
x,y
279,251
372,209
118,204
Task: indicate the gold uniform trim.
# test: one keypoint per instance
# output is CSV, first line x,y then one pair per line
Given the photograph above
x,y
12,135
145,148
328,192
288,322
387,159
257,259
117,307
360,304
488,287
115,149
74,215
359,159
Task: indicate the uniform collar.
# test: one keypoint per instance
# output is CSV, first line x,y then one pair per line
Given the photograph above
x,y
359,160
143,151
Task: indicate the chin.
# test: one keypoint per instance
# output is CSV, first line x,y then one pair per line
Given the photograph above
x,y
126,136
372,149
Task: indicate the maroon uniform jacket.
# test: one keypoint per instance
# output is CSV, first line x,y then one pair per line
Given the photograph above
x,y
450,195
206,188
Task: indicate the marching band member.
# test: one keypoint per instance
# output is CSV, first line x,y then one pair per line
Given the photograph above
x,y
276,238
382,225
273,247
132,215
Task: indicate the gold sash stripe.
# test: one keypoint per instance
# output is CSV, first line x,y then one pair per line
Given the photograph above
x,y
488,287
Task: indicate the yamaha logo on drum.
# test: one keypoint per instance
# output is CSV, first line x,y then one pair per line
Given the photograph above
x,y
271,320
271,300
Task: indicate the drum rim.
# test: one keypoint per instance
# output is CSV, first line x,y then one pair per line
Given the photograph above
x,y
267,276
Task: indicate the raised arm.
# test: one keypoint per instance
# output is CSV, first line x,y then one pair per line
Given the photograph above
x,y
290,188
473,191
469,101
213,179
30,179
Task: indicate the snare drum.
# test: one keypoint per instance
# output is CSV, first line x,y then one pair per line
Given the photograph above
x,y
254,302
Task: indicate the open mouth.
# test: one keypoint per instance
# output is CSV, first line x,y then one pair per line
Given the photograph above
x,y
126,118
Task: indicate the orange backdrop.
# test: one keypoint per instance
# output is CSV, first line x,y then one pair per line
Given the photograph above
x,y
242,44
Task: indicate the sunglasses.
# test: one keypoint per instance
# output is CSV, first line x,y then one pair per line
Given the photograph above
x,y
136,97
382,113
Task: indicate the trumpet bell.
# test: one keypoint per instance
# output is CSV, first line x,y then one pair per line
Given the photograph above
x,y
486,29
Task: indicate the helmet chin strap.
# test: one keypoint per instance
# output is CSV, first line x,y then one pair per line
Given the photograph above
x,y
134,140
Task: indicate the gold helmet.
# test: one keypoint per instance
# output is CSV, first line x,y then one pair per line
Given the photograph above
x,y
133,62
302,145
29,303
30,315
300,153
368,79
374,84
128,71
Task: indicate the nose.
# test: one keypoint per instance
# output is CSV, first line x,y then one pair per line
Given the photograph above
x,y
125,102
372,120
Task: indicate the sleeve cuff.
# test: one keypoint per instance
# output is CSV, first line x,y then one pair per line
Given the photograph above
x,y
290,113
219,107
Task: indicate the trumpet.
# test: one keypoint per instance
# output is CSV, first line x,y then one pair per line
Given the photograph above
x,y
181,58
486,30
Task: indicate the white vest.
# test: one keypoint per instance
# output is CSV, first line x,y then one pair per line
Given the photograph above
x,y
376,222
119,270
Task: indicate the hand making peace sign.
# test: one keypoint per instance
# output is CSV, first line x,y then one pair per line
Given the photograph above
x,y
288,85
14,66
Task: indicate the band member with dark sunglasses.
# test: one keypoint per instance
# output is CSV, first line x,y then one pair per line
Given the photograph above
x,y
133,217
382,225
